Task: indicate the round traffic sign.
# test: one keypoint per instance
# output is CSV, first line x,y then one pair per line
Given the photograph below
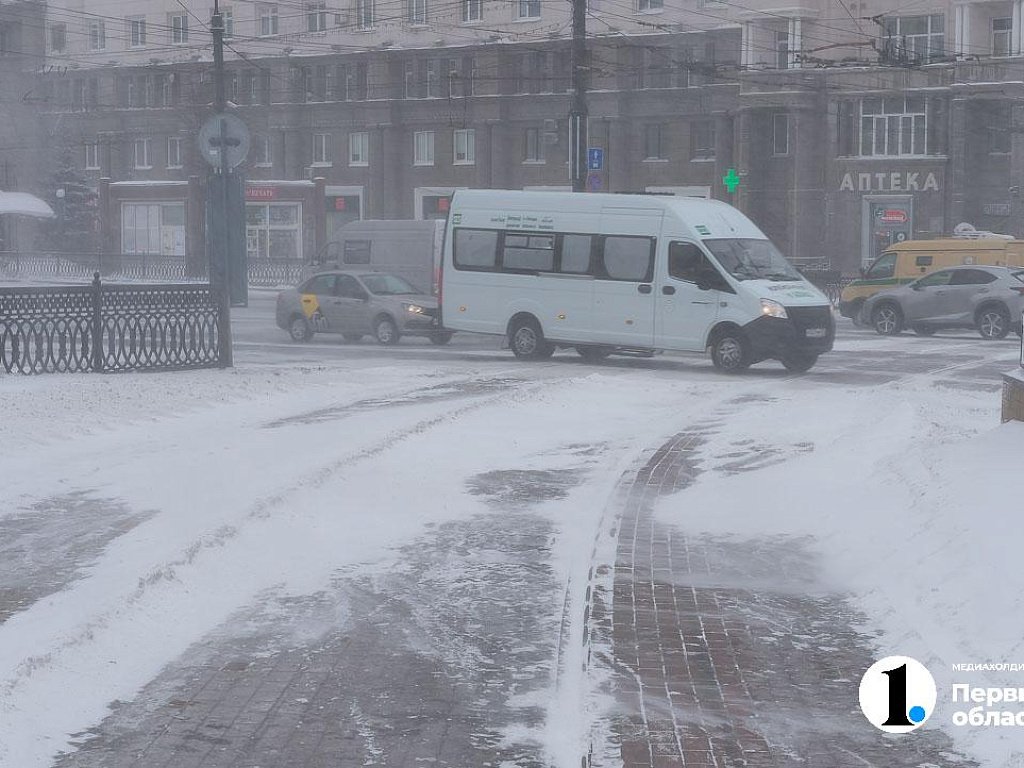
x,y
225,133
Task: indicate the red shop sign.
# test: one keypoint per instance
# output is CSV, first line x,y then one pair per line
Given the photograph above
x,y
261,193
894,216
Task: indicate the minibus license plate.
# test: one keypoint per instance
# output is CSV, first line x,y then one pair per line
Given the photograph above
x,y
815,333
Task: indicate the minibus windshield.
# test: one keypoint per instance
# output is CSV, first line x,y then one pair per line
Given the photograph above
x,y
749,259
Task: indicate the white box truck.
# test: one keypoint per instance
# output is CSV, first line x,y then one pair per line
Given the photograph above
x,y
608,273
407,248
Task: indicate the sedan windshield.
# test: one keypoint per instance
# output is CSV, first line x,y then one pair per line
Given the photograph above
x,y
749,259
388,285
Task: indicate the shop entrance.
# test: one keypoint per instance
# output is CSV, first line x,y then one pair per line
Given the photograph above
x,y
887,219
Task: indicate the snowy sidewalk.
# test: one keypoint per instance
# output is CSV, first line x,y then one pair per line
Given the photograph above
x,y
731,653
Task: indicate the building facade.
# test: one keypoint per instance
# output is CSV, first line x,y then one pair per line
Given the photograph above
x,y
846,127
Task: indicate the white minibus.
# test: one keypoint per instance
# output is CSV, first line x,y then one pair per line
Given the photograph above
x,y
608,273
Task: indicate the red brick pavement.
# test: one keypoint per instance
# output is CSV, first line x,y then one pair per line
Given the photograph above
x,y
728,653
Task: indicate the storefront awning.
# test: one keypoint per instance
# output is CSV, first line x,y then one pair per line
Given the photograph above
x,y
24,204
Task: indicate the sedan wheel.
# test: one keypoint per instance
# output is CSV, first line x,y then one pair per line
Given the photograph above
x,y
993,323
386,332
299,329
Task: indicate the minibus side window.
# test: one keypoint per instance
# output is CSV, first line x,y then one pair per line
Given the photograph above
x,y
627,258
475,249
574,254
528,252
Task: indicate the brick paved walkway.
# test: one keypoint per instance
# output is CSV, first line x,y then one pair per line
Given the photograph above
x,y
728,652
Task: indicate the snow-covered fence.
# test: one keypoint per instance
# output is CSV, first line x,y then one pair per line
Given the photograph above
x,y
108,328
72,268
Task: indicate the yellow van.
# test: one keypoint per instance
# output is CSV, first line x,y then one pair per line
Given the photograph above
x,y
909,260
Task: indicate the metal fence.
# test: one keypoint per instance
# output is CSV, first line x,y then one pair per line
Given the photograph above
x,y
68,267
108,328
828,281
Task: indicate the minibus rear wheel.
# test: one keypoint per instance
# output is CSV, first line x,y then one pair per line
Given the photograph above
x,y
730,350
527,340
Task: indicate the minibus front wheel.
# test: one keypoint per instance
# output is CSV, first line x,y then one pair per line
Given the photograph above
x,y
527,339
730,350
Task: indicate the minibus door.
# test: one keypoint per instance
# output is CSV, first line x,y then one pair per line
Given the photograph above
x,y
624,300
689,293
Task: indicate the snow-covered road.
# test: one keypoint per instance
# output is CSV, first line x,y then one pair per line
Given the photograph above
x,y
342,520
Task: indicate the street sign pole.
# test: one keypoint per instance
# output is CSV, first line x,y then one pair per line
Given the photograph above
x,y
220,246
578,105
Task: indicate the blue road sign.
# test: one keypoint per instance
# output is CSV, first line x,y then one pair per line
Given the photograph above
x,y
595,159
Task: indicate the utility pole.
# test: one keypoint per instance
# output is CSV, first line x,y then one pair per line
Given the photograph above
x,y
219,266
578,105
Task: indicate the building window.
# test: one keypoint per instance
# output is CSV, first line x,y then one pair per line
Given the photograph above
x,y
229,21
782,50
410,80
262,151
58,38
423,148
780,134
178,22
174,152
316,16
1002,30
472,10
268,19
140,154
417,11
321,149
364,13
914,39
97,35
273,230
157,228
893,126
529,9
533,146
92,156
702,140
465,146
359,148
136,31
650,5
652,142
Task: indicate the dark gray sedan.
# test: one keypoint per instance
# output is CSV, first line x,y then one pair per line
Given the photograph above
x,y
354,304
989,299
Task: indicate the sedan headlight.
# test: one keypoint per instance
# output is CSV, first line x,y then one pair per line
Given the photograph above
x,y
415,309
771,308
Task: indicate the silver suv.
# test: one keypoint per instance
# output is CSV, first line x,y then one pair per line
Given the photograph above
x,y
989,299
356,303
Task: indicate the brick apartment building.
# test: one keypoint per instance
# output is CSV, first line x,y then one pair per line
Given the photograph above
x,y
850,124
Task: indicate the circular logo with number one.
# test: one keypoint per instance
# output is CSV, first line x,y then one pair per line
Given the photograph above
x,y
897,694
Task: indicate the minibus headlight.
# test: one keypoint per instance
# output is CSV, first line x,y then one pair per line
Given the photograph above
x,y
415,309
771,308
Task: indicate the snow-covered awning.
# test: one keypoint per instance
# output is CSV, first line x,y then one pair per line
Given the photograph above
x,y
24,204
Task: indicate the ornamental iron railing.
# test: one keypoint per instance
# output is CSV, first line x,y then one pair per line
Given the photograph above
x,y
104,328
71,268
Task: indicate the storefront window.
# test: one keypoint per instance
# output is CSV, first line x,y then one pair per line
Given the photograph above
x,y
273,231
153,228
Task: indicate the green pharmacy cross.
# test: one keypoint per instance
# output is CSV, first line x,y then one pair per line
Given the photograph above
x,y
731,181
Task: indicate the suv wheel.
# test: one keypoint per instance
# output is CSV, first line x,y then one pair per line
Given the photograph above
x,y
887,319
993,322
799,362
